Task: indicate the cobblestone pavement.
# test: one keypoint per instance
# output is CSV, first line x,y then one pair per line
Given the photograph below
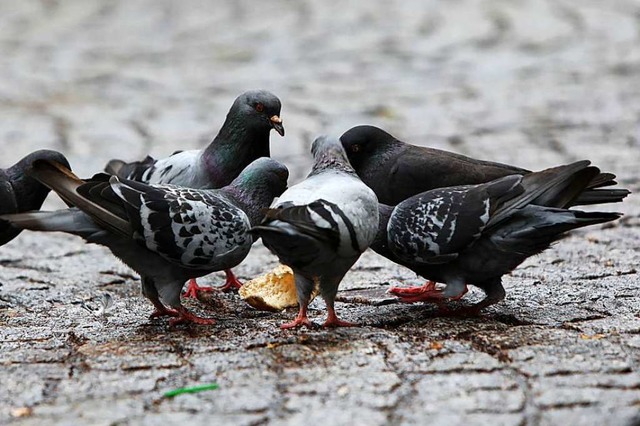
x,y
530,82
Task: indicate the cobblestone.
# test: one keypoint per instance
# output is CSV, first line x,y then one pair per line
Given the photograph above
x,y
529,82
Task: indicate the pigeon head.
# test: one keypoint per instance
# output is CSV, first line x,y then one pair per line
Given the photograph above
x,y
328,153
34,192
259,109
42,154
265,171
258,184
363,142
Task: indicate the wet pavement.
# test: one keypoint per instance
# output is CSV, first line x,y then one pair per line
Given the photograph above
x,y
530,82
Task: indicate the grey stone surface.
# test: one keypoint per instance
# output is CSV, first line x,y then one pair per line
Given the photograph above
x,y
530,82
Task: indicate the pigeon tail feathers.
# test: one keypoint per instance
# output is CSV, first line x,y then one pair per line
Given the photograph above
x,y
292,248
65,184
535,228
72,221
113,167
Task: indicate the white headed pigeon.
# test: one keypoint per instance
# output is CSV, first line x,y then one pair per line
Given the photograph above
x,y
244,137
321,226
396,170
167,234
21,193
474,234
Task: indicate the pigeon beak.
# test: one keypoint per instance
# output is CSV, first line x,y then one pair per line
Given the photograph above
x,y
276,123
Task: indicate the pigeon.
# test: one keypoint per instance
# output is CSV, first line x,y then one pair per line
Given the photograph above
x,y
474,234
320,227
396,170
167,234
21,193
244,137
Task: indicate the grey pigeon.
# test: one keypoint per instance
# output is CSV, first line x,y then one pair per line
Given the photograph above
x,y
475,234
244,137
167,234
21,193
321,226
396,170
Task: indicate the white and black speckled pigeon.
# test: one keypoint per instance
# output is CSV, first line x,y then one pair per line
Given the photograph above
x,y
396,170
474,234
244,137
321,226
167,234
21,193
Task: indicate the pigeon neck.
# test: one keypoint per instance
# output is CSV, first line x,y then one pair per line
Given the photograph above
x,y
326,161
234,148
29,193
391,148
380,243
251,199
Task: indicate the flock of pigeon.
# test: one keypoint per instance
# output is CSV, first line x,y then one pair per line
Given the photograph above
x,y
452,219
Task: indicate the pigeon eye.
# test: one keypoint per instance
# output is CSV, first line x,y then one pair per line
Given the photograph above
x,y
355,148
259,107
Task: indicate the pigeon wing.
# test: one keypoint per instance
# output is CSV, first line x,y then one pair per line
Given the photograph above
x,y
433,227
189,227
305,234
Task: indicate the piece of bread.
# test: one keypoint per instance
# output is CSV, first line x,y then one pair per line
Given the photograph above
x,y
273,291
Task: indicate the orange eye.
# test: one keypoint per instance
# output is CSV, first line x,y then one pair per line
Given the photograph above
x,y
259,107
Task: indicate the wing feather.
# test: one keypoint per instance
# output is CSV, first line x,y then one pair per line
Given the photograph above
x,y
185,226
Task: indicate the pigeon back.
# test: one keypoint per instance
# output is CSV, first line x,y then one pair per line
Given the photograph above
x,y
433,227
355,201
188,227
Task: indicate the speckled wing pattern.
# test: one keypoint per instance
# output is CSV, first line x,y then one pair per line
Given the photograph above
x,y
435,226
190,227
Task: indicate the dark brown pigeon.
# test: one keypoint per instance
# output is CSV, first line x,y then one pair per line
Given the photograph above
x,y
396,170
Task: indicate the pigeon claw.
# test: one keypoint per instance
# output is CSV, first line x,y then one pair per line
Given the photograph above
x,y
193,289
164,312
334,322
186,317
298,323
434,296
408,291
232,283
426,293
301,320
161,310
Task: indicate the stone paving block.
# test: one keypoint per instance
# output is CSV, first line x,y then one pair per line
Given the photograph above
x,y
532,83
